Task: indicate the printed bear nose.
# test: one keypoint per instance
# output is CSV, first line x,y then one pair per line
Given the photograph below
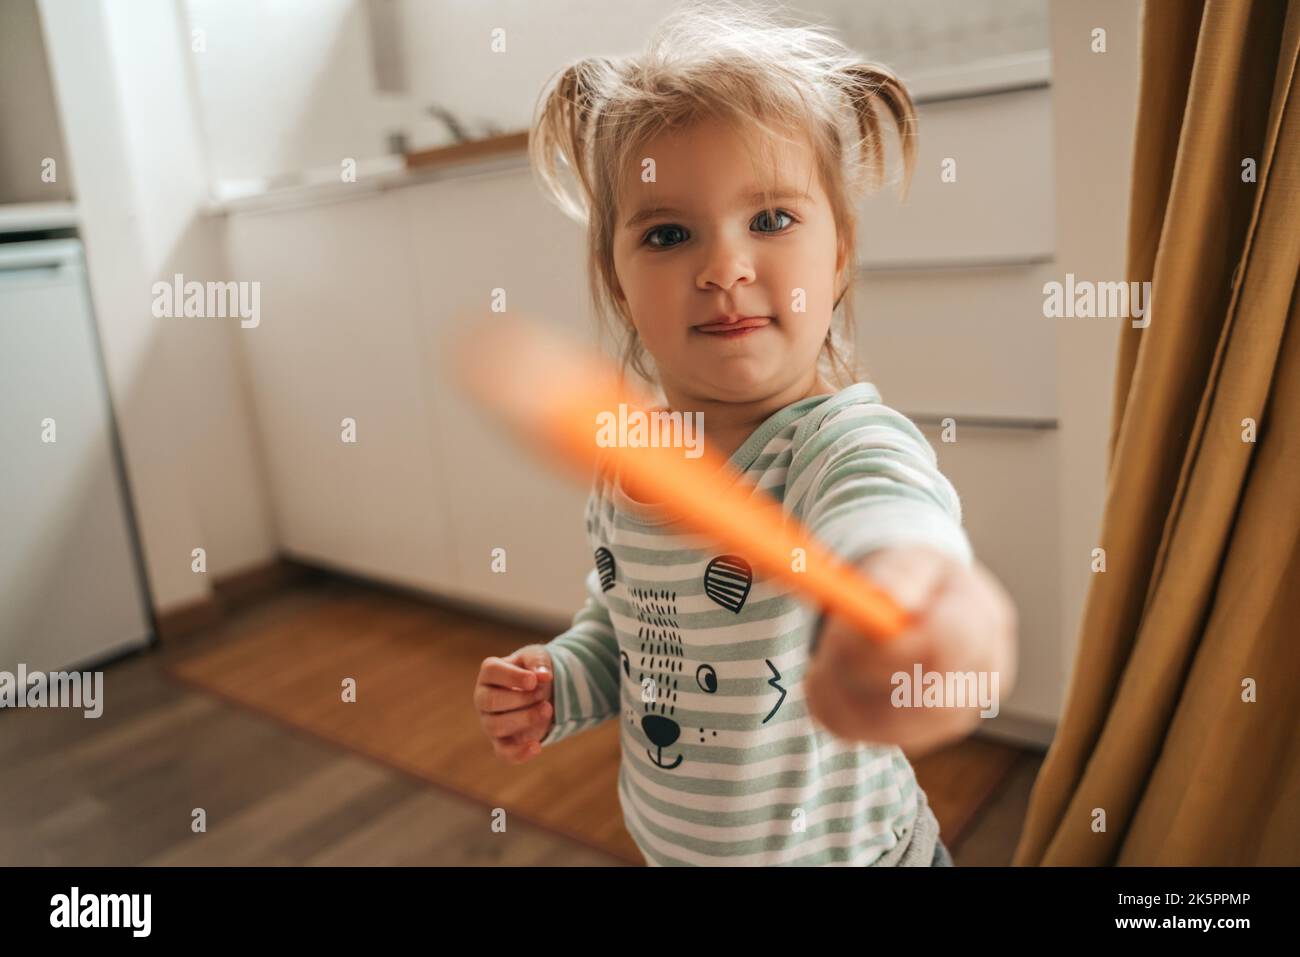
x,y
660,730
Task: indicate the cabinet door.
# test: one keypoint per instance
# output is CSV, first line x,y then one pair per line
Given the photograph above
x,y
339,339
469,237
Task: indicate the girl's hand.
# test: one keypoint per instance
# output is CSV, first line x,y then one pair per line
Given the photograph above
x,y
513,699
964,621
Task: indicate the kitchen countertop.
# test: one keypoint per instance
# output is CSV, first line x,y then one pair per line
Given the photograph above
x,y
486,156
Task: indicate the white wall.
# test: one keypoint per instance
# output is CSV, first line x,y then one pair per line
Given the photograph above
x,y
120,73
447,55
284,86
29,123
295,85
1095,107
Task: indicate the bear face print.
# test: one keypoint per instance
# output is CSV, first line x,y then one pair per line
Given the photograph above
x,y
658,668
659,671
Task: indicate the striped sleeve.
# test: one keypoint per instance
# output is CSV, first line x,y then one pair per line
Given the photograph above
x,y
868,479
585,661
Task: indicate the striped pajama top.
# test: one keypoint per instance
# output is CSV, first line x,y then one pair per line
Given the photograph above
x,y
702,660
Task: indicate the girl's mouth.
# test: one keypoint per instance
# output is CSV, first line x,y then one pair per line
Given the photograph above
x,y
735,330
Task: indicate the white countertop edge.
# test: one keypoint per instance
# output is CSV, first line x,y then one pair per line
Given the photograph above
x,y
327,191
1020,71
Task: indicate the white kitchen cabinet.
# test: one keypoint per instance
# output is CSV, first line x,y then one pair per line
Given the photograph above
x,y
357,299
972,345
999,209
339,338
951,341
468,237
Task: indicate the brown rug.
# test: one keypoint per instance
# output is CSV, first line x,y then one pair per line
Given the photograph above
x,y
415,663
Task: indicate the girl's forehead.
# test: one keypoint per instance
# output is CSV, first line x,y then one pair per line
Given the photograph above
x,y
754,145
671,160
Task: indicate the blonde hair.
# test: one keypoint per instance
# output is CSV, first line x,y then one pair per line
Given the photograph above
x,y
737,63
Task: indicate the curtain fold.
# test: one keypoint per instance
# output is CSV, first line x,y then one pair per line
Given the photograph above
x,y
1200,599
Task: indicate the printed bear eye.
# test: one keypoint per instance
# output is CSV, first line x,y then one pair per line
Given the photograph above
x,y
627,667
707,677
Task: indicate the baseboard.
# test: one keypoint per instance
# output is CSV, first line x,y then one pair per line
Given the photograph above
x,y
1013,729
505,616
232,592
177,622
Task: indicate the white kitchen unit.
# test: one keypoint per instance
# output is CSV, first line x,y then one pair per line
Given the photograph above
x,y
471,237
432,487
982,191
72,588
950,327
338,340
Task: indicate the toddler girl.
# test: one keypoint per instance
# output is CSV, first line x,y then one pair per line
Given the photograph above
x,y
718,175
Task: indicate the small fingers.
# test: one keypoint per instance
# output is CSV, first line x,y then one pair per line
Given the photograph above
x,y
512,722
502,673
492,700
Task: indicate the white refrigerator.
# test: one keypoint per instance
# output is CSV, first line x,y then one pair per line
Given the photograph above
x,y
72,587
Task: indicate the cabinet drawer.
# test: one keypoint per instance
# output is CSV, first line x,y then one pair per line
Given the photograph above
x,y
959,341
999,209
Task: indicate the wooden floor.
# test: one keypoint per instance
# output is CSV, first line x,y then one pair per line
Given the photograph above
x,y
122,789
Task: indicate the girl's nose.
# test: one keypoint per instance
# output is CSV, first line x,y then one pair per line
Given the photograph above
x,y
726,264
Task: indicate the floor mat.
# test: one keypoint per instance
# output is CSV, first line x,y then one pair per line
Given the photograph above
x,y
413,666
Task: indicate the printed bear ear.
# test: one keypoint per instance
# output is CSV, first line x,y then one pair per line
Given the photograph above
x,y
727,580
605,568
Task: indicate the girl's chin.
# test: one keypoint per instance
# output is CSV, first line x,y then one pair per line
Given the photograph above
x,y
743,384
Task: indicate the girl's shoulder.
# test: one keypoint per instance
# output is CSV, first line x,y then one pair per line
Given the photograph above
x,y
857,415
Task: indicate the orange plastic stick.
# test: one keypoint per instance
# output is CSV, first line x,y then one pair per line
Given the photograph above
x,y
551,394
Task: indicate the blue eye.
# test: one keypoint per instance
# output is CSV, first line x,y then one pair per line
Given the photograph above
x,y
779,212
766,216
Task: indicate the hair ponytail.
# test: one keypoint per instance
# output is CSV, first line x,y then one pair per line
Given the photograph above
x,y
871,88
562,130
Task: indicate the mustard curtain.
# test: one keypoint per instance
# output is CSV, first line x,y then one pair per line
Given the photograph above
x,y
1199,605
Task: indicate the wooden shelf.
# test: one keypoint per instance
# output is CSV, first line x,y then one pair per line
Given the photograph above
x,y
467,152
